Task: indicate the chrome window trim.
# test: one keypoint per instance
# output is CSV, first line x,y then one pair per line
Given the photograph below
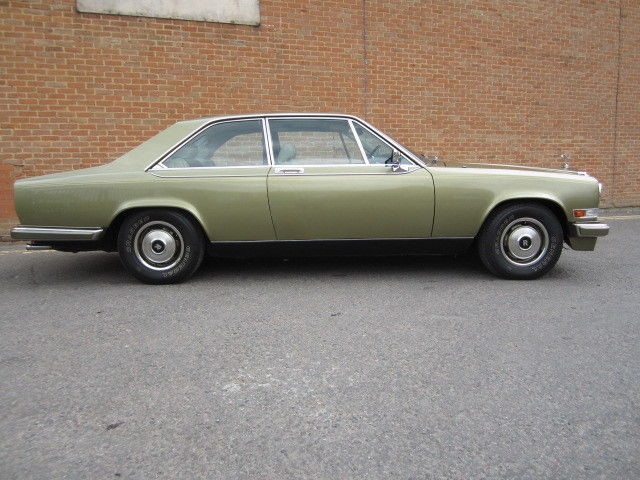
x,y
214,120
385,139
346,165
398,146
313,117
157,162
359,142
160,165
267,142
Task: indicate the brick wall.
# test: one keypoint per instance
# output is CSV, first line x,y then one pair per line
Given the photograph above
x,y
500,81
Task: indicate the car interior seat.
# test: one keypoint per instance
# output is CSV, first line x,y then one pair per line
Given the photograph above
x,y
287,153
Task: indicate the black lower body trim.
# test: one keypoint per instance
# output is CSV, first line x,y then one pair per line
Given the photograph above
x,y
312,248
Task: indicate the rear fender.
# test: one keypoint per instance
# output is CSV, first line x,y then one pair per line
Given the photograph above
x,y
169,203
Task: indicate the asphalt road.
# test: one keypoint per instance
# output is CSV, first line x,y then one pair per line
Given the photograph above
x,y
402,368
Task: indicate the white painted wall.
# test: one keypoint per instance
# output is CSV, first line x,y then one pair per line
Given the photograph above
x,y
245,12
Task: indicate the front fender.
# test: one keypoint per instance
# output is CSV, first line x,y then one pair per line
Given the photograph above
x,y
465,197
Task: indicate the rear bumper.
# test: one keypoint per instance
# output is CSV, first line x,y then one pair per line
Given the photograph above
x,y
588,230
55,234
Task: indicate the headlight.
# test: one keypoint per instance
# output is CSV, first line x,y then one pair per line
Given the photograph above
x,y
586,213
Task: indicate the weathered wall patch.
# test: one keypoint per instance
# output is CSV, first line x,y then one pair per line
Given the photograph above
x,y
245,12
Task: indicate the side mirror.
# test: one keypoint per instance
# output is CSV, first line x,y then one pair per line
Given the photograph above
x,y
396,161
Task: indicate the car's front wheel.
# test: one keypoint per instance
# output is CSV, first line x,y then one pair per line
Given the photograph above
x,y
520,241
160,246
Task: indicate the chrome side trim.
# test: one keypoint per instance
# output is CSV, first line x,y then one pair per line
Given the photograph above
x,y
158,173
588,229
206,175
409,170
344,165
169,169
22,232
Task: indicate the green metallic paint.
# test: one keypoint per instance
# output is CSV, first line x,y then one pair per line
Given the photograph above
x,y
228,207
231,203
354,202
585,244
235,204
466,196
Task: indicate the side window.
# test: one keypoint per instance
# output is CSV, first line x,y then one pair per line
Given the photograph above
x,y
310,141
376,150
228,144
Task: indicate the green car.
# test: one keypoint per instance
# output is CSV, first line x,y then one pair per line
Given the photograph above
x,y
304,184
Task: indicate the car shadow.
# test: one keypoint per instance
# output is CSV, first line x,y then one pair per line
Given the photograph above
x,y
99,268
462,265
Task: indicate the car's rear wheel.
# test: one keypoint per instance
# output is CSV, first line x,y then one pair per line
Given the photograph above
x,y
520,241
160,246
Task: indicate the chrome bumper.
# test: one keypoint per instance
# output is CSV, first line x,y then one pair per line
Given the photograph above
x,y
588,229
55,233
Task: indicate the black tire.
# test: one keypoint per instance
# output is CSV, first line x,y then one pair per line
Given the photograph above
x,y
520,241
160,246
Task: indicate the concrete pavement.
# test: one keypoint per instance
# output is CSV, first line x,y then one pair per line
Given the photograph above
x,y
402,368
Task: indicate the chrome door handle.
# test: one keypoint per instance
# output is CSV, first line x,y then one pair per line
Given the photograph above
x,y
289,170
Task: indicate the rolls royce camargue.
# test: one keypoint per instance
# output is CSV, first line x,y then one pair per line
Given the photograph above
x,y
304,184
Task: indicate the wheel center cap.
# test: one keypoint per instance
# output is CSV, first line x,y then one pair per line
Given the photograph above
x,y
525,242
157,246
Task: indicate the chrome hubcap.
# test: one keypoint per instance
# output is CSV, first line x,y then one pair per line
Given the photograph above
x,y
524,241
158,245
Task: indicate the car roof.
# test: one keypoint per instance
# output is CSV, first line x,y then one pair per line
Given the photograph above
x,y
275,114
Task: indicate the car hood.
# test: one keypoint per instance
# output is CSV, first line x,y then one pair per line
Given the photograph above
x,y
498,166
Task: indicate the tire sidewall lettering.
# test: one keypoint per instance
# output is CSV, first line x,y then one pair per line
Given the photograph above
x,y
131,233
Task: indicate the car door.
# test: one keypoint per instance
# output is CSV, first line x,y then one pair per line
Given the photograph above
x,y
331,179
222,173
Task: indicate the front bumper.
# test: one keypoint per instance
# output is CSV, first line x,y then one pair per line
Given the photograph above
x,y
588,230
55,234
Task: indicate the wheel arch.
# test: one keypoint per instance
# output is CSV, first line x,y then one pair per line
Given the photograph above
x,y
111,234
552,204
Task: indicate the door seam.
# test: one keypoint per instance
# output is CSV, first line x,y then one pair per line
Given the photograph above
x,y
273,225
